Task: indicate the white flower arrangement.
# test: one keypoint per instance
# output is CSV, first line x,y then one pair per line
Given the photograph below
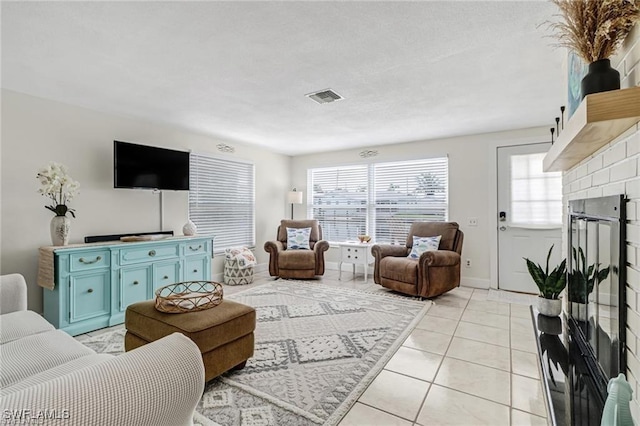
x,y
59,186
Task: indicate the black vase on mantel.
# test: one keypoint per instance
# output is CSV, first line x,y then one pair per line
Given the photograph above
x,y
600,78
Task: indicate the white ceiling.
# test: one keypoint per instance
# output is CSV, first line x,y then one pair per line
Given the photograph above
x,y
239,70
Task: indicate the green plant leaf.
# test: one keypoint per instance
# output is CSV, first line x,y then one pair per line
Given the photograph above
x,y
590,271
603,274
537,274
546,271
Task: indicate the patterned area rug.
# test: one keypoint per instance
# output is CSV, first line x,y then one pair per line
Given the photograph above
x,y
317,349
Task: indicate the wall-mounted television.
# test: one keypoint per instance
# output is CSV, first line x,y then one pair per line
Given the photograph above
x,y
149,167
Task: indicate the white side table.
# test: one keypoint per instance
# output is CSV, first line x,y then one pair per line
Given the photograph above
x,y
357,254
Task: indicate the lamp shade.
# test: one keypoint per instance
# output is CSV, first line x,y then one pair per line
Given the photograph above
x,y
294,197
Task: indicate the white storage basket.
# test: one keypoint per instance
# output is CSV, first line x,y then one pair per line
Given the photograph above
x,y
233,275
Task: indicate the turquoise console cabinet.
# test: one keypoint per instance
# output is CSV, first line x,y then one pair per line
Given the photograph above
x,y
94,283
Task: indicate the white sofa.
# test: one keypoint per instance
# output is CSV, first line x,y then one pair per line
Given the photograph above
x,y
48,375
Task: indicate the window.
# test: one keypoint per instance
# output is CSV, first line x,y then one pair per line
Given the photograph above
x,y
222,201
339,201
536,196
407,192
381,199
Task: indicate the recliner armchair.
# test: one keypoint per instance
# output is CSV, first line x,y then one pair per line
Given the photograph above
x,y
434,273
285,263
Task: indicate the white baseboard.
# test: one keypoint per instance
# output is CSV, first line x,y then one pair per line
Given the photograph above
x,y
475,282
261,267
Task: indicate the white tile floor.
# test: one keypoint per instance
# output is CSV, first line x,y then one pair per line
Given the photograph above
x,y
470,361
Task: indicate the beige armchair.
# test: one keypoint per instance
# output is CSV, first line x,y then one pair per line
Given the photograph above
x,y
434,273
297,263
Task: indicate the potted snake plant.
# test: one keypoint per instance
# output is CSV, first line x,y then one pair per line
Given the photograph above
x,y
550,285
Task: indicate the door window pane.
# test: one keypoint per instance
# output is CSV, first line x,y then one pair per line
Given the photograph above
x,y
536,196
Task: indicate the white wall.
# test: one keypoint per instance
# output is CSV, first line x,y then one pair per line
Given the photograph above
x,y
472,187
615,169
36,131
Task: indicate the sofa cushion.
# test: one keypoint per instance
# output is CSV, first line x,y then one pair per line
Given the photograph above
x,y
19,324
422,244
400,269
297,259
298,238
37,353
52,373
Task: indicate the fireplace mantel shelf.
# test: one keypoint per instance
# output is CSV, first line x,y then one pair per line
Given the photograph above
x,y
600,118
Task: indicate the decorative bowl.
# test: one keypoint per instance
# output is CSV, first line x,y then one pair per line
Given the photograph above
x,y
364,238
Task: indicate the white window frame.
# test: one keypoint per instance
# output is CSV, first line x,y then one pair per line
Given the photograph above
x,y
207,174
373,206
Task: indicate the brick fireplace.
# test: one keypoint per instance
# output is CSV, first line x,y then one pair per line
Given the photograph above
x,y
613,170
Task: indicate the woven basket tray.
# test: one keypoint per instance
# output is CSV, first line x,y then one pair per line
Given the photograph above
x,y
189,296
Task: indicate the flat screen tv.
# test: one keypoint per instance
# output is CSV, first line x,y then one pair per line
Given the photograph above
x,y
149,167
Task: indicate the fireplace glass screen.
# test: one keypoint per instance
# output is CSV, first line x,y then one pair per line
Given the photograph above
x,y
596,285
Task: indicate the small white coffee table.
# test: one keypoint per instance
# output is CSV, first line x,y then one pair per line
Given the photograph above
x,y
355,253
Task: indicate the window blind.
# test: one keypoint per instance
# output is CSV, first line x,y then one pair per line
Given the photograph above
x,y
222,200
337,198
407,192
381,199
536,196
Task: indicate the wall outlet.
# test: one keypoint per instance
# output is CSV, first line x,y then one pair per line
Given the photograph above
x,y
467,263
473,221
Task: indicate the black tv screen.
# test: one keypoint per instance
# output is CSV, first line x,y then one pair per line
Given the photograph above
x,y
149,167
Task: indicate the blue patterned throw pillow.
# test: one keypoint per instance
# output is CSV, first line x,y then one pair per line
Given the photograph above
x,y
298,238
422,244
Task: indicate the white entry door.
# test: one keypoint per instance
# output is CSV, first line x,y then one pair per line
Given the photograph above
x,y
529,215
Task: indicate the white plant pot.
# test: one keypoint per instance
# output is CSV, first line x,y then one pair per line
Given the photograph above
x,y
549,307
60,230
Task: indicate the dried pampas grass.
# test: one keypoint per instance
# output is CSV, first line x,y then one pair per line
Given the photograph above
x,y
595,28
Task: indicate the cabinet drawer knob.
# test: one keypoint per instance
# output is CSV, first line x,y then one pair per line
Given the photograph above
x,y
348,257
166,277
136,282
348,249
90,290
89,262
196,248
195,270
152,253
355,257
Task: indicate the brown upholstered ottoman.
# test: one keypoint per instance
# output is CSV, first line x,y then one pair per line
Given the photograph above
x,y
224,333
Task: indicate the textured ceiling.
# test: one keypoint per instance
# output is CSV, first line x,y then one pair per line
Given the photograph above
x,y
239,70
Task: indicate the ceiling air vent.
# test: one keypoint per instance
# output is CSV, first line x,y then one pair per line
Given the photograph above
x,y
324,96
